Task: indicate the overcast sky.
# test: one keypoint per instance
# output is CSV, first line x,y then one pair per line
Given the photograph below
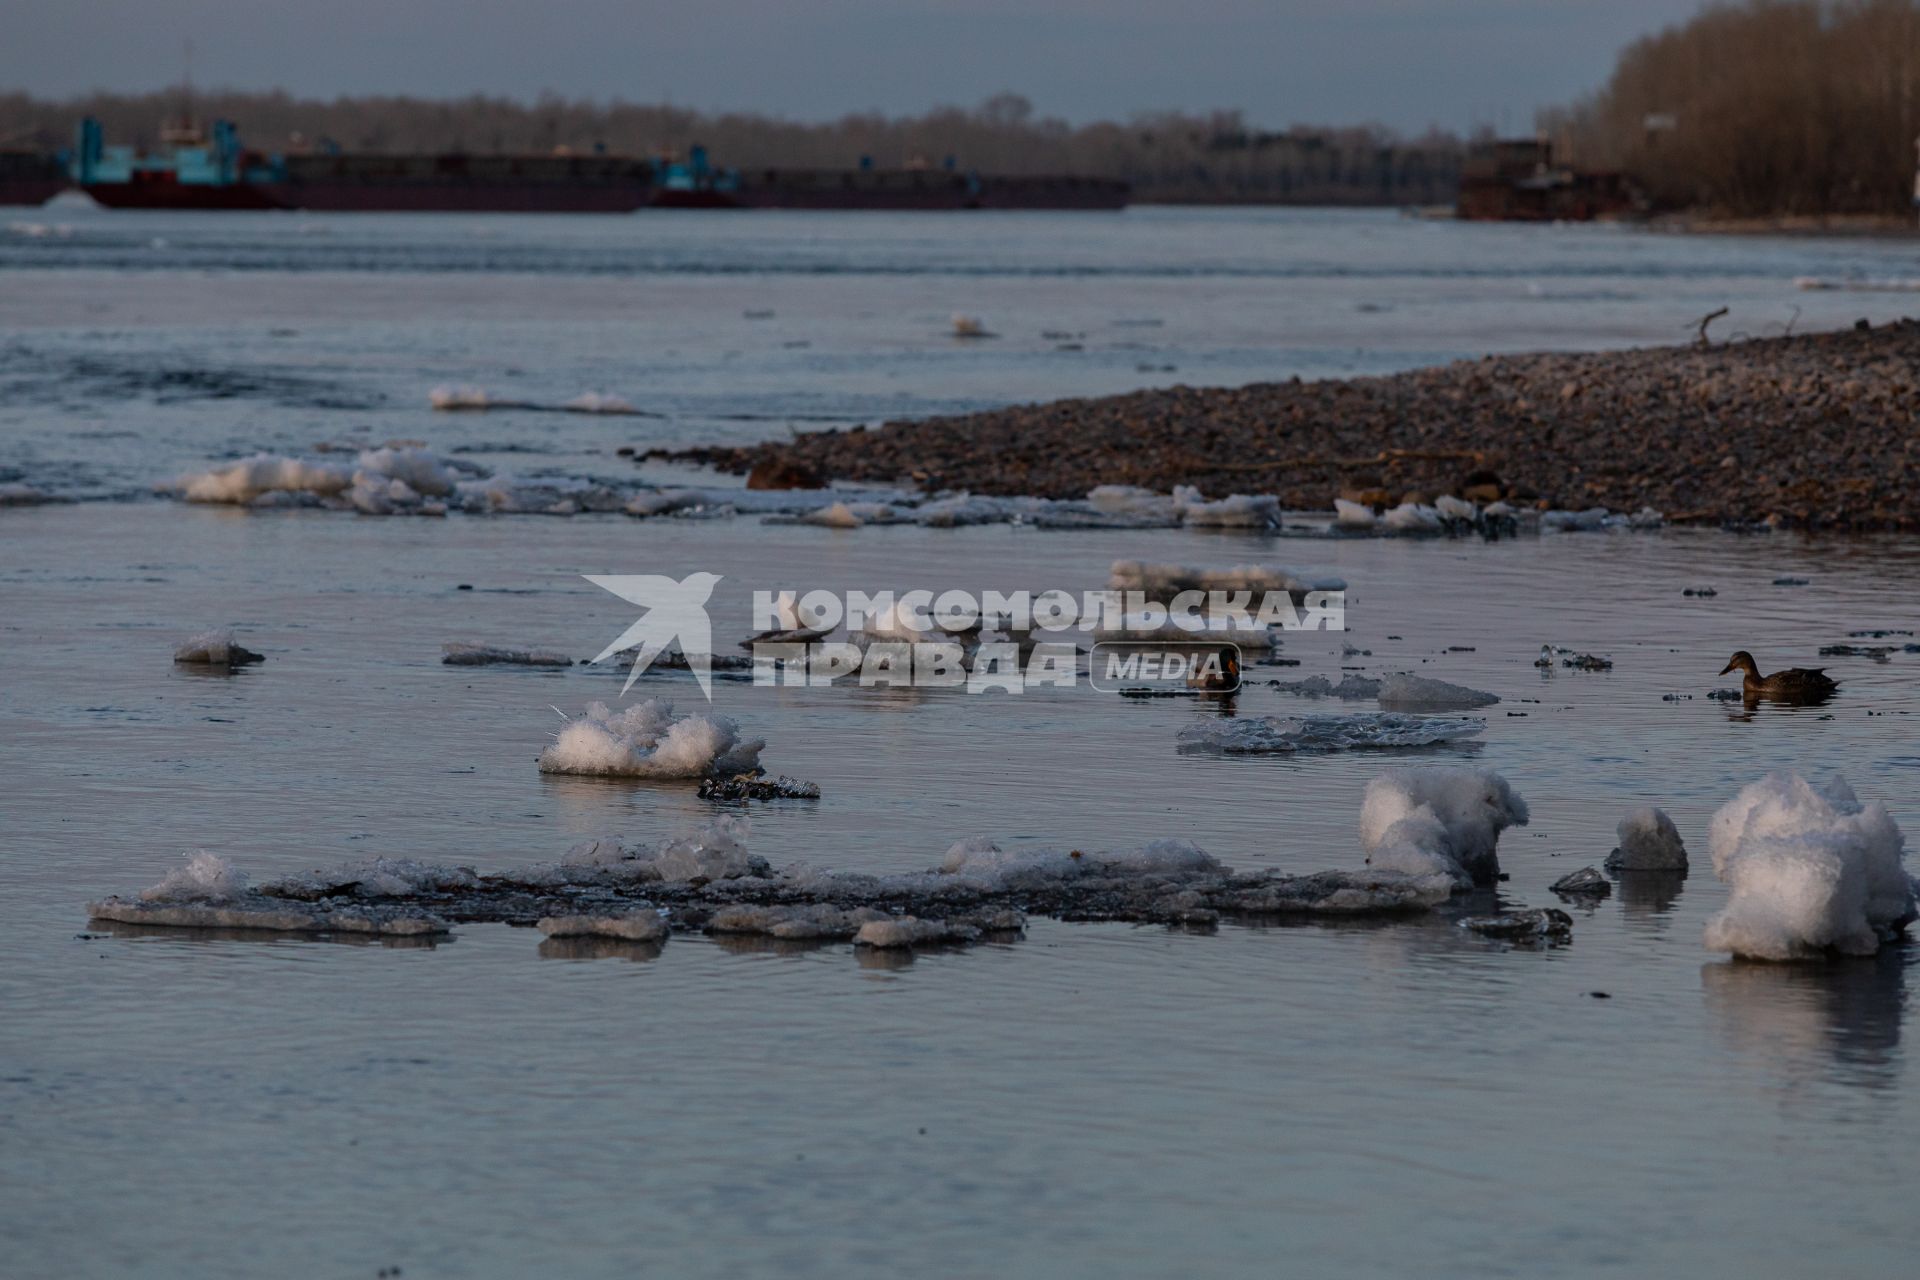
x,y
1407,63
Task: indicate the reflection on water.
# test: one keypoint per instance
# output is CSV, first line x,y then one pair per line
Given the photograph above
x,y
592,948
1648,893
1839,1019
261,937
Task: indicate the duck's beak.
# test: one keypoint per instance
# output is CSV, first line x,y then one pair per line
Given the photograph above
x,y
1727,668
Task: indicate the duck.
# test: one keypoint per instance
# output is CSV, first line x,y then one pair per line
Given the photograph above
x,y
1795,682
1219,675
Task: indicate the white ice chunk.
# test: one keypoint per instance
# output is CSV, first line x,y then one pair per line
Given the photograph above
x,y
1413,517
1236,511
205,877
644,741
1353,515
249,478
1414,820
454,398
1808,871
1575,521
1132,502
214,648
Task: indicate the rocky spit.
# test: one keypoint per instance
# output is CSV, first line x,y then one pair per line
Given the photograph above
x,y
1808,431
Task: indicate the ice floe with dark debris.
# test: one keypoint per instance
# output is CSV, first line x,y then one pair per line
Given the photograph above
x,y
1809,872
270,915
1308,734
746,786
1587,882
1547,926
459,653
1350,688
1648,842
706,879
208,892
216,648
14,493
647,740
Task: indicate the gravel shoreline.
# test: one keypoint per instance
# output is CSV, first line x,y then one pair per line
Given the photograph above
x,y
1813,431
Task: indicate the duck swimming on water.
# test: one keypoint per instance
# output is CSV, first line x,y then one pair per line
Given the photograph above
x,y
1795,682
1219,674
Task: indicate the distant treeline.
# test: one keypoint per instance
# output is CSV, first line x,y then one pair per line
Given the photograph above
x,y
1215,157
1767,107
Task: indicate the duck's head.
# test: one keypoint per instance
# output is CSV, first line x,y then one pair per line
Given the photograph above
x,y
1230,662
1741,661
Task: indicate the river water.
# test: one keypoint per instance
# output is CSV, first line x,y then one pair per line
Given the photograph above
x,y
1092,1099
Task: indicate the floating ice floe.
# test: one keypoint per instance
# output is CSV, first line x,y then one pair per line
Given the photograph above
x,y
1351,686
1133,503
204,877
1405,691
705,879
15,494
1442,821
1353,515
209,893
1587,882
597,402
747,786
1648,842
1413,517
1281,735
450,399
647,741
1235,511
458,653
1862,284
1454,517
385,481
1160,583
1548,925
644,925
215,648
1809,872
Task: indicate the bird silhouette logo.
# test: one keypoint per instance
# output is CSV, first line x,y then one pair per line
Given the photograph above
x,y
674,610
